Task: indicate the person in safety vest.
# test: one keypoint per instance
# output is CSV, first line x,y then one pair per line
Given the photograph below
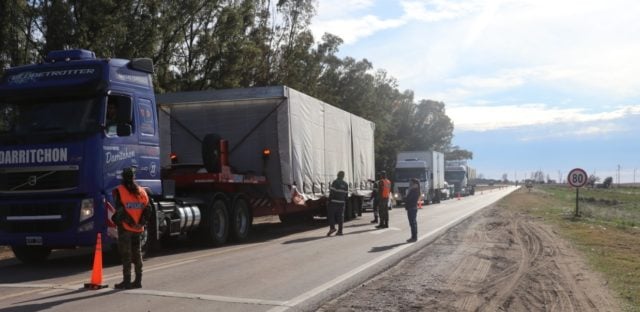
x,y
338,194
132,213
384,191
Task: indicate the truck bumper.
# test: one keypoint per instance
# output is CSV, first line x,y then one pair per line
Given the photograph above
x,y
52,240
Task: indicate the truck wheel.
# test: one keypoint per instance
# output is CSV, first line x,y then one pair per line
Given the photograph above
x,y
216,226
211,152
31,254
240,220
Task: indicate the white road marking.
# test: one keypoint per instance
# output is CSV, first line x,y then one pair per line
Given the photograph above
x,y
173,294
380,231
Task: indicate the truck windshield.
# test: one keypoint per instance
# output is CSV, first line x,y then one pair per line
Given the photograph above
x,y
454,175
406,174
48,120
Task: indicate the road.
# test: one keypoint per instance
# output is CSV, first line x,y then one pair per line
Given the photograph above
x,y
280,269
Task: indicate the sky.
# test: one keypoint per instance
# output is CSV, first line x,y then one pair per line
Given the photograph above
x,y
530,85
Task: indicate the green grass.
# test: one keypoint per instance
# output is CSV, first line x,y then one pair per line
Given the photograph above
x,y
607,231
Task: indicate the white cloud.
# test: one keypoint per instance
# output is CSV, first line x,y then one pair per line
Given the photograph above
x,y
332,9
438,10
485,118
353,29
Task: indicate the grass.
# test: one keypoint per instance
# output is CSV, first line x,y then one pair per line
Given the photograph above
x,y
607,230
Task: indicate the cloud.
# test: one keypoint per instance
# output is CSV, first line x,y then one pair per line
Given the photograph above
x,y
333,9
353,29
438,10
486,118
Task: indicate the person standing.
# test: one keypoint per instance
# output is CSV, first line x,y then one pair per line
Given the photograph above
x,y
411,205
375,198
132,213
338,195
384,191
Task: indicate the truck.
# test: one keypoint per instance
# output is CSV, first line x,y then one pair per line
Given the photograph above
x,y
211,161
459,174
427,167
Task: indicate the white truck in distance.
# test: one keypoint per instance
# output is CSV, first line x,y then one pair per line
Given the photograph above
x,y
458,173
427,167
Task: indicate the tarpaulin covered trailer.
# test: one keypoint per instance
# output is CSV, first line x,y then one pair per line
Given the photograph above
x,y
310,140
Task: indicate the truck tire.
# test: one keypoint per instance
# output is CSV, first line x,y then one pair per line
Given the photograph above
x,y
211,152
31,254
215,228
240,220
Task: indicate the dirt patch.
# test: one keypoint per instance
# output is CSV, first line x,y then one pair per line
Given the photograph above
x,y
498,260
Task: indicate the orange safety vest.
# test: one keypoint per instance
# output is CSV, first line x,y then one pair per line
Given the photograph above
x,y
385,188
134,205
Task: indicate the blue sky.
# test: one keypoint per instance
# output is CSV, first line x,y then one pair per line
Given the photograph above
x,y
530,85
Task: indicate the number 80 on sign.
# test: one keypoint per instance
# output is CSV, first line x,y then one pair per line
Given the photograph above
x,y
577,177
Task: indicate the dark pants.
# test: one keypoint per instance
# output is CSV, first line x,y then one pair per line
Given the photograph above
x,y
335,213
384,210
129,248
412,214
375,208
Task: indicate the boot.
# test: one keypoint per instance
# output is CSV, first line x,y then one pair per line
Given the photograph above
x,y
137,283
125,284
381,225
386,224
375,220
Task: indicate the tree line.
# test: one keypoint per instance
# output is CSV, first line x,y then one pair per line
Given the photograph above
x,y
208,44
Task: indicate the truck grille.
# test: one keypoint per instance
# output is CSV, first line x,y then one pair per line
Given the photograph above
x,y
41,180
36,218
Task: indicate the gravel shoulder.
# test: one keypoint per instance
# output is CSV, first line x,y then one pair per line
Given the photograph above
x,y
497,260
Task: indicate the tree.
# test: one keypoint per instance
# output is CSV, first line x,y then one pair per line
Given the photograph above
x,y
456,153
592,180
607,182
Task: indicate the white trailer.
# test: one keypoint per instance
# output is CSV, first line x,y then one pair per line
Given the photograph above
x,y
310,141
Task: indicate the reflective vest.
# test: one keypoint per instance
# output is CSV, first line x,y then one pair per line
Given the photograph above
x,y
134,205
385,188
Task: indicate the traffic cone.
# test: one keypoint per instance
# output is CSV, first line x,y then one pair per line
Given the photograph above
x,y
96,274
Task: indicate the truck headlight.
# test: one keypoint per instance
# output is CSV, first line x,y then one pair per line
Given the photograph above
x,y
86,209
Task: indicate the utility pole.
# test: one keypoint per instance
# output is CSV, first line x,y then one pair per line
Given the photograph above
x,y
618,175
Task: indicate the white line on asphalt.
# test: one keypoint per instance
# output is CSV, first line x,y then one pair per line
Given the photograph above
x,y
380,231
172,294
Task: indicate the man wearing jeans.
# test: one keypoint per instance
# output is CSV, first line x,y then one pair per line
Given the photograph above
x,y
411,205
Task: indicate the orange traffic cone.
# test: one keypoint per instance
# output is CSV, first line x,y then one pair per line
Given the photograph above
x,y
96,274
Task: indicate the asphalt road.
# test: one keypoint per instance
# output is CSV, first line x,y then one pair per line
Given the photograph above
x,y
282,268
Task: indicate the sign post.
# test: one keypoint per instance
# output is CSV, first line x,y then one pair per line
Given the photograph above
x,y
577,178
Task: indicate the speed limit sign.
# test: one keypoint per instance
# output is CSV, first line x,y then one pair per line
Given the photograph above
x,y
577,177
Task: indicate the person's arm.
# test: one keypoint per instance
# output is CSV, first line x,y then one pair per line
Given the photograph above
x,y
146,213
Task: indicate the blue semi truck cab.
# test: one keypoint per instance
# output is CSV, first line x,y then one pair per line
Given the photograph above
x,y
68,126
